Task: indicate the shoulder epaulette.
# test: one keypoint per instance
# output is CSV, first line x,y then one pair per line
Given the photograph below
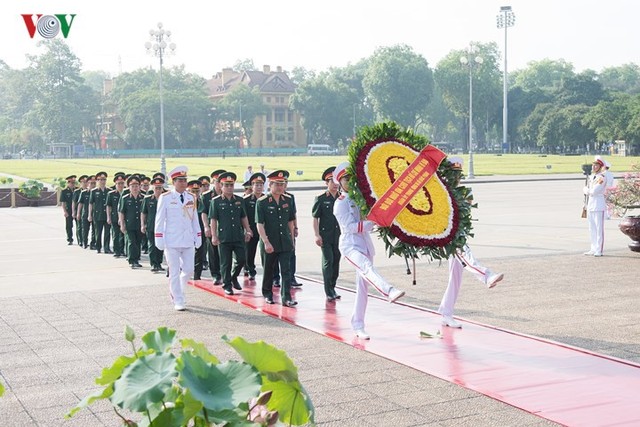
x,y
264,197
148,196
287,195
165,193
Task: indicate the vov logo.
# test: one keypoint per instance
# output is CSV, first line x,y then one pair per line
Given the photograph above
x,y
48,26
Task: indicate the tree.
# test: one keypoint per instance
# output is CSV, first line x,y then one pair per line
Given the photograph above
x,y
563,128
242,105
545,75
399,84
615,119
624,78
583,88
244,65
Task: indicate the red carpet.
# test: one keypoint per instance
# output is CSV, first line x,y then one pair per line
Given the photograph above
x,y
563,384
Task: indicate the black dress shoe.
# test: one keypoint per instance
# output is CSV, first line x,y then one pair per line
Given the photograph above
x,y
228,291
137,264
196,277
253,278
217,282
290,303
246,274
336,296
236,285
330,298
269,300
99,250
160,268
70,243
154,269
108,251
133,266
276,284
295,284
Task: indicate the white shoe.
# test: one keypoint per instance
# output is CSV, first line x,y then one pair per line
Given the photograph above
x,y
179,307
360,333
493,279
451,322
394,295
588,253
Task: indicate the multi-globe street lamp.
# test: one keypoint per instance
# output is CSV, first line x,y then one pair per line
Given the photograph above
x,y
505,19
157,46
469,59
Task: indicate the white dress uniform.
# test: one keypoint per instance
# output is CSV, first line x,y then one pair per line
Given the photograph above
x,y
177,232
464,260
596,211
356,247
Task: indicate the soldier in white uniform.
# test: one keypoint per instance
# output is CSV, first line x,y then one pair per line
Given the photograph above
x,y
462,260
596,206
610,184
177,232
356,247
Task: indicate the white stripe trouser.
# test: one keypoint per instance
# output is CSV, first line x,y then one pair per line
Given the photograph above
x,y
365,274
462,260
596,229
180,262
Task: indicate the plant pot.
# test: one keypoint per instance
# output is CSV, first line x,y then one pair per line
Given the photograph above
x,y
630,226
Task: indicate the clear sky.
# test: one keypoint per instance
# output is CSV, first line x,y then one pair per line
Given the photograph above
x,y
110,35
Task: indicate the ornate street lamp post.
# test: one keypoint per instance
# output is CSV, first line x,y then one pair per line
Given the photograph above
x,y
469,60
505,19
160,42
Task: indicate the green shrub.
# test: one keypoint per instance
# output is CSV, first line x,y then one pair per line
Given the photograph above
x,y
31,189
195,388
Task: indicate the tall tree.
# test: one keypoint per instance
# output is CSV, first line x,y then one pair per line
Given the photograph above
x,y
242,105
545,75
623,78
399,84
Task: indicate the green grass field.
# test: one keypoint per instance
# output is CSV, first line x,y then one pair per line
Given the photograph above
x,y
311,167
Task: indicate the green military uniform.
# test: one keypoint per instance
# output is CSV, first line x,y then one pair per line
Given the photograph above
x,y
275,217
113,200
130,207
85,195
98,201
212,252
66,200
330,234
292,258
249,204
229,213
76,200
149,207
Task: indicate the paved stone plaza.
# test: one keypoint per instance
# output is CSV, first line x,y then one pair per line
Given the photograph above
x,y
63,311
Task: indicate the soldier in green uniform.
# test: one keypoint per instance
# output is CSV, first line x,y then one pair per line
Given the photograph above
x,y
113,200
200,254
275,219
148,221
83,209
66,201
129,216
203,210
74,207
98,213
276,271
327,232
205,185
229,231
145,190
256,183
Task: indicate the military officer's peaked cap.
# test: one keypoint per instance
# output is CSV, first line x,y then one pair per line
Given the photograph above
x,y
340,171
101,175
119,173
278,176
83,177
157,181
117,178
257,177
328,173
179,172
194,183
215,174
133,178
203,179
246,184
599,161
70,178
145,179
456,163
91,178
227,177
158,174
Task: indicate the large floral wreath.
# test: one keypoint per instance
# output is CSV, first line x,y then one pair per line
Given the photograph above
x,y
436,221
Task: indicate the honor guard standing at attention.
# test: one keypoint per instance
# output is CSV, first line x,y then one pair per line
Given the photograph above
x,y
327,232
113,200
203,211
275,219
229,231
193,187
357,247
129,209
178,233
66,201
148,223
596,206
74,207
98,213
256,182
88,238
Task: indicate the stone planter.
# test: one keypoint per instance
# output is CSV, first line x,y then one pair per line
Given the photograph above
x,y
630,226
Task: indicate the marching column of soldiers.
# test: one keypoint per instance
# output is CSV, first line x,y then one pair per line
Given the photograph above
x,y
120,220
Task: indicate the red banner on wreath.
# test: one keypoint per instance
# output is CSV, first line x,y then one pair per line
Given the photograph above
x,y
416,176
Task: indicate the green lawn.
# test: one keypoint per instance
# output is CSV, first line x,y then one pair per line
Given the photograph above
x,y
311,167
